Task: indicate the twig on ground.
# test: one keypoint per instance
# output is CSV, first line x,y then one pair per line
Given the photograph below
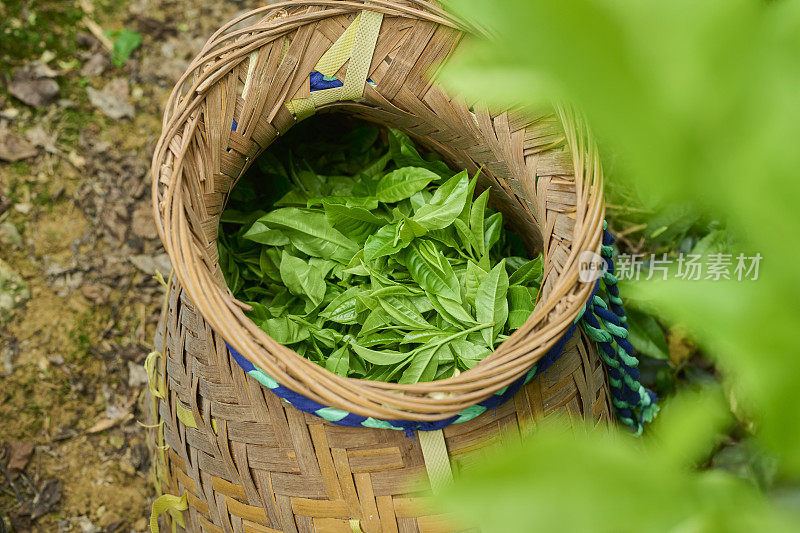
x,y
93,26
17,493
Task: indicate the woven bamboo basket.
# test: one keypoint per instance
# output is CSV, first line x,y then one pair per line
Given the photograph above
x,y
233,455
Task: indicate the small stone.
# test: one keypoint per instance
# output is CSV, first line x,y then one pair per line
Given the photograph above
x,y
149,264
30,86
9,235
142,223
23,208
96,65
85,525
116,442
137,376
113,100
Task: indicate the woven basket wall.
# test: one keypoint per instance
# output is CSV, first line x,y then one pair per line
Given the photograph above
x,y
248,461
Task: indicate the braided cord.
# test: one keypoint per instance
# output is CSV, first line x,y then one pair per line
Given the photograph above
x,y
605,322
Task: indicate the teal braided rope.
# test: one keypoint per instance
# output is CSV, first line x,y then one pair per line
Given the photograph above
x,y
604,321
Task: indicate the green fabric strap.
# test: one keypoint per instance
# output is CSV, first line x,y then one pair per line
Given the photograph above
x,y
437,461
356,45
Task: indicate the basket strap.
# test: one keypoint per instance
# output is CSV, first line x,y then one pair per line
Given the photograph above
x,y
437,460
356,45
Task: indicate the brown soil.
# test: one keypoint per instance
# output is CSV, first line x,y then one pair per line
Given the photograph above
x,y
70,358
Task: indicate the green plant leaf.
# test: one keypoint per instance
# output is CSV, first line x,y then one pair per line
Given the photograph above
x,y
520,306
383,242
302,279
125,42
646,335
263,234
491,304
472,280
445,205
284,330
476,222
529,273
382,357
493,228
404,154
431,270
403,183
339,361
311,233
424,362
356,223
342,309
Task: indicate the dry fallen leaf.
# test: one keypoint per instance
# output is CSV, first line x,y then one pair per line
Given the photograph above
x,y
19,453
46,498
107,423
13,147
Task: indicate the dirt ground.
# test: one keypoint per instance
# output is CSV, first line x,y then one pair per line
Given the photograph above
x,y
78,252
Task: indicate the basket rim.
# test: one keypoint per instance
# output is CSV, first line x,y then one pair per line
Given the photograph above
x,y
428,401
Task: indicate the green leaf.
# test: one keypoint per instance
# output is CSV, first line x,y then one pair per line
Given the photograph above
x,y
446,203
431,270
530,272
125,42
403,183
451,310
467,353
302,279
404,154
491,304
389,337
311,233
468,240
425,336
410,230
342,309
339,361
376,320
284,330
383,242
403,312
646,335
520,306
423,365
263,234
493,229
382,357
356,223
476,219
472,280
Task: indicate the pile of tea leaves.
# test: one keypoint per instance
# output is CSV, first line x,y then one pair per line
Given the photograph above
x,y
371,260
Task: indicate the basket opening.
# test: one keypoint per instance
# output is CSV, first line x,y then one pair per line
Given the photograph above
x,y
312,135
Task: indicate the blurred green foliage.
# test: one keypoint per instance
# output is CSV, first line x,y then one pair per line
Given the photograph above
x,y
570,480
699,104
29,28
125,42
